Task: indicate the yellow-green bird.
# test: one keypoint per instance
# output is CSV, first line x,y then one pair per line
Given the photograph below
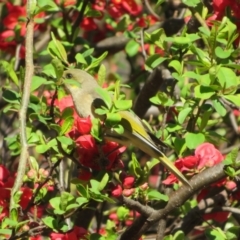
x,y
84,94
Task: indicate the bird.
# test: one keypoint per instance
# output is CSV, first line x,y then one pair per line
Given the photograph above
x,y
82,88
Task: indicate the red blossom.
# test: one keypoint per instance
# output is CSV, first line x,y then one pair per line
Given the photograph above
x,y
116,191
208,155
128,192
25,197
128,182
88,24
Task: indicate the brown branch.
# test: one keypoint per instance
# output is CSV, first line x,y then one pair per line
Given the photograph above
x,y
178,198
24,105
117,43
150,89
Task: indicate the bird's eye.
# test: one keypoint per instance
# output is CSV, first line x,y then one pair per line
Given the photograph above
x,y
69,76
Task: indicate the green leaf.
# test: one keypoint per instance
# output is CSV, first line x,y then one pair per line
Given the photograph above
x,y
215,234
231,157
179,235
203,92
50,222
233,233
176,65
67,125
183,114
60,50
65,140
219,107
67,112
227,78
42,148
103,182
123,104
155,195
154,60
96,62
103,93
8,67
132,48
194,139
96,236
223,54
58,67
80,58
235,99
34,163
38,82
82,190
122,213
113,118
118,128
81,201
11,96
101,75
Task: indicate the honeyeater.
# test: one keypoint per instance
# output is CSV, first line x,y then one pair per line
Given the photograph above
x,y
84,95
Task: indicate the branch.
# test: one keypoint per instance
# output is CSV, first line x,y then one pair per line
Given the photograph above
x,y
149,90
117,43
176,199
24,105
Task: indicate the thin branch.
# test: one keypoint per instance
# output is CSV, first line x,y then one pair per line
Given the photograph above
x,y
150,10
24,105
176,199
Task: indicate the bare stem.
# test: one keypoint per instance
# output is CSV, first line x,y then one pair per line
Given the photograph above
x,y
24,105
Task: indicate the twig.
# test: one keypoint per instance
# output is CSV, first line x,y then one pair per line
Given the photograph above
x,y
24,105
150,10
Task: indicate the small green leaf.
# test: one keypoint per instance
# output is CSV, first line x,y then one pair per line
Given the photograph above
x,y
80,58
123,104
122,213
113,118
155,195
132,48
154,60
194,139
183,114
67,125
118,129
38,82
103,182
223,54
101,75
219,107
65,140
105,96
203,92
11,96
8,67
176,65
235,99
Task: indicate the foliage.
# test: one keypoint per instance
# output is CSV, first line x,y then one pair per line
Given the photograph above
x,y
76,184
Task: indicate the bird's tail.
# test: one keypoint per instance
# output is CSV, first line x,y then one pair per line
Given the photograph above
x,y
169,165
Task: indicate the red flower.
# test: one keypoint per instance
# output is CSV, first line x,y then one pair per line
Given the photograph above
x,y
88,24
208,155
128,192
25,197
116,191
66,2
128,182
4,174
